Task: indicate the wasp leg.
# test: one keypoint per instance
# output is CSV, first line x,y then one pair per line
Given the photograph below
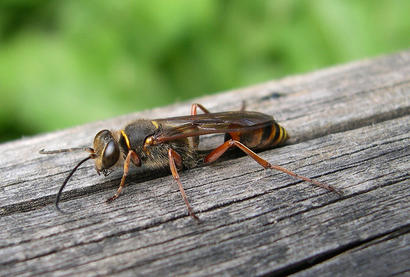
x,y
243,106
130,156
195,106
174,161
217,152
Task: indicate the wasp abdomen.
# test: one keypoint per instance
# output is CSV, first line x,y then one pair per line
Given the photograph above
x,y
265,137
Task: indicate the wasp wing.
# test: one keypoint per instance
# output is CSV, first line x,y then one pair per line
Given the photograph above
x,y
196,125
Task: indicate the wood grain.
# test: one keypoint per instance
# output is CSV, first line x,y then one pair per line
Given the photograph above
x,y
349,127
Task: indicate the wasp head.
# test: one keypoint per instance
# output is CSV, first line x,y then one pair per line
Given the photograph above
x,y
106,151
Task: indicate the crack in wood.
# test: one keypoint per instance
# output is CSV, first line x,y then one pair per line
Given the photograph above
x,y
327,255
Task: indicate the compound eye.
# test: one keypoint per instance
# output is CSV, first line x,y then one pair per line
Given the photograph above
x,y
111,154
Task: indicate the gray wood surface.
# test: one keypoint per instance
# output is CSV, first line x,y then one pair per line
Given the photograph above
x,y
349,127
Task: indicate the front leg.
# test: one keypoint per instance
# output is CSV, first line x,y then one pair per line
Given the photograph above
x,y
135,159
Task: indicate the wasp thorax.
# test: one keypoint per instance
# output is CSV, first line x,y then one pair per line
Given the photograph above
x,y
106,150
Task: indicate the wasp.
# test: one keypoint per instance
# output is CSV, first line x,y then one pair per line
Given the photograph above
x,y
173,143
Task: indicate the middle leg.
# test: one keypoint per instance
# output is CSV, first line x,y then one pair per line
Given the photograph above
x,y
195,106
174,161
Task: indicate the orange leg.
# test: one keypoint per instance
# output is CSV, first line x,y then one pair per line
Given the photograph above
x,y
216,153
243,107
174,162
195,106
130,156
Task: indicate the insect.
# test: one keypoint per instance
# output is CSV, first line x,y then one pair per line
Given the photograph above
x,y
173,142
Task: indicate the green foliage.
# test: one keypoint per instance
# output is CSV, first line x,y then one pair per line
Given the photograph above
x,y
68,62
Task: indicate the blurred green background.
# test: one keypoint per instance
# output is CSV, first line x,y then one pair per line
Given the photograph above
x,y
63,63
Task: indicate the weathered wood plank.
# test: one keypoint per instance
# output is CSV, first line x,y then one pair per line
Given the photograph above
x,y
310,106
385,256
349,129
263,224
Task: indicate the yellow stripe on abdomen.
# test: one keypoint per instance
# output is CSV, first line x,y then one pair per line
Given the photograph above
x,y
283,136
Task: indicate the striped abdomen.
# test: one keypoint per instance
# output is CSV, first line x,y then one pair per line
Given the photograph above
x,y
261,138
